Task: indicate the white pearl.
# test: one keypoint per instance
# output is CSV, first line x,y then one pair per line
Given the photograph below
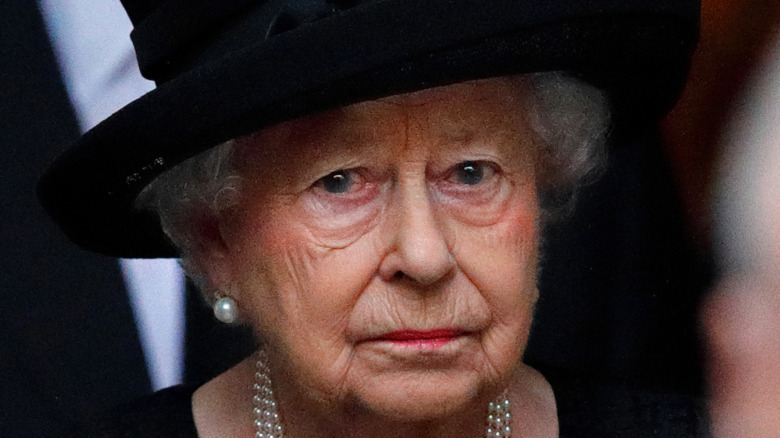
x,y
226,310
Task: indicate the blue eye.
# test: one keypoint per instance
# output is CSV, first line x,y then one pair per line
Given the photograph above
x,y
339,181
470,173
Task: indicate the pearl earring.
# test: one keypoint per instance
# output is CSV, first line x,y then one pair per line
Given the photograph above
x,y
226,310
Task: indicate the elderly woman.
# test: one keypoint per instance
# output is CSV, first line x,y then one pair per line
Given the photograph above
x,y
365,184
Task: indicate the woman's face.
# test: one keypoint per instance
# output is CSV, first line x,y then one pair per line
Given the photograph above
x,y
386,252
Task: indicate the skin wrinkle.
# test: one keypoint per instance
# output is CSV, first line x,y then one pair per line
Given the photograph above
x,y
315,299
338,367
414,305
370,224
316,368
556,107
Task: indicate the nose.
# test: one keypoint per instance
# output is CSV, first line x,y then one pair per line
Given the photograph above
x,y
418,248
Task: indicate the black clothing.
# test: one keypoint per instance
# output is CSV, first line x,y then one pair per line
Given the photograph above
x,y
165,414
598,408
68,341
69,345
585,409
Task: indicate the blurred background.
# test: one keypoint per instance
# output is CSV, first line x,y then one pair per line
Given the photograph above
x,y
623,280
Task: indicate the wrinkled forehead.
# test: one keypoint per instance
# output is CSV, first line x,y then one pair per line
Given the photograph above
x,y
481,117
485,92
484,103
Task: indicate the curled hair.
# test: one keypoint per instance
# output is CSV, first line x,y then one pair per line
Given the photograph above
x,y
570,120
203,186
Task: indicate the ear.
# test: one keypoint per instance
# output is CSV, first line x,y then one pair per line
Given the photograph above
x,y
211,256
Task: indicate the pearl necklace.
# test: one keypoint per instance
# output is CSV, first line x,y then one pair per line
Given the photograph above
x,y
268,422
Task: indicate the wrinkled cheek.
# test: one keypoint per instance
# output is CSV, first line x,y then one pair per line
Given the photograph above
x,y
304,327
524,243
509,259
276,275
304,302
508,252
506,342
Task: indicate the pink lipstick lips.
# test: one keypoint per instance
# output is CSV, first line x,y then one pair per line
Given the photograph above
x,y
421,338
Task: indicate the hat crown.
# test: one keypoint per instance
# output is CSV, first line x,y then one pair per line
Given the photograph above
x,y
173,36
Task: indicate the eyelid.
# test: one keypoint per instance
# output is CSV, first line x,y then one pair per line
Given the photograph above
x,y
489,167
353,172
493,183
363,183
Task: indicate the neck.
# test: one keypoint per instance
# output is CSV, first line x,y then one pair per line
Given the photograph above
x,y
350,417
354,420
223,408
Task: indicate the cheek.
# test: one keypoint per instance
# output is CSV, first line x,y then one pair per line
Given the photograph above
x,y
301,292
302,298
501,261
272,275
502,256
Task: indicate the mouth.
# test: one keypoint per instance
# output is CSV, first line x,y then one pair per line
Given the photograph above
x,y
425,339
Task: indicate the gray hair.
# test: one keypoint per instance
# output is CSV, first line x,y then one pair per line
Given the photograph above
x,y
569,117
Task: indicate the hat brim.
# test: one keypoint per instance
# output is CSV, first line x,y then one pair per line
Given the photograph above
x,y
637,53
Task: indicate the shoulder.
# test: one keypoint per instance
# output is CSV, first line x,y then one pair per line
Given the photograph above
x,y
165,413
610,408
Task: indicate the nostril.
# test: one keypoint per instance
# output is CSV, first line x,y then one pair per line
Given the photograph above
x,y
399,275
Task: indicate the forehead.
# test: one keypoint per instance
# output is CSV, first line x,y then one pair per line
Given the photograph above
x,y
485,92
461,111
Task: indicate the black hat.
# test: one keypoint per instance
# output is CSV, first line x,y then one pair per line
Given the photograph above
x,y
226,68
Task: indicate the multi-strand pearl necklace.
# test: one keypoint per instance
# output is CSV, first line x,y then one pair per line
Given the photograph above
x,y
499,419
268,423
